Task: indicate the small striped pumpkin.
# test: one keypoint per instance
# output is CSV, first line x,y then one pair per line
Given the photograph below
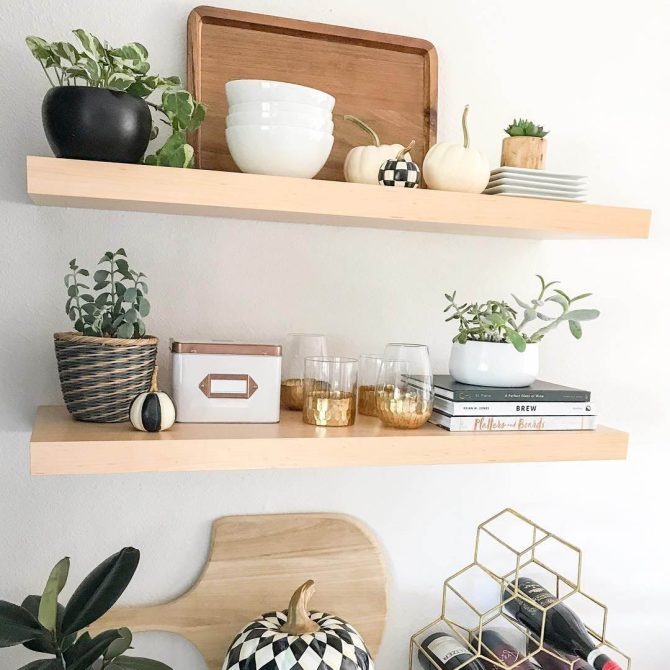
x,y
152,411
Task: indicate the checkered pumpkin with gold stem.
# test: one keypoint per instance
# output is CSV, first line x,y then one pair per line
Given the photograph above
x,y
400,172
297,639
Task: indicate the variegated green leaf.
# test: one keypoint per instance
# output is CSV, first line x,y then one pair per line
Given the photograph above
x,y
120,81
90,43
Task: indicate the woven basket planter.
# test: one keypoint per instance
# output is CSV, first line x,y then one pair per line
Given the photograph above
x,y
101,376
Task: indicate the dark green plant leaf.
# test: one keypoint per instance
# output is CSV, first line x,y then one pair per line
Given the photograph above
x,y
45,644
86,651
137,663
130,295
100,285
121,645
17,625
100,275
121,252
102,299
125,331
48,609
122,264
144,307
100,590
84,273
86,297
44,664
72,290
130,316
119,289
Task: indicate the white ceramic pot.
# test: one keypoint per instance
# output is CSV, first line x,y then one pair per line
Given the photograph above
x,y
279,119
254,90
292,107
494,364
282,151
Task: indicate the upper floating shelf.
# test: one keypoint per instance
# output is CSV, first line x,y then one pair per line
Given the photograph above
x,y
141,188
61,446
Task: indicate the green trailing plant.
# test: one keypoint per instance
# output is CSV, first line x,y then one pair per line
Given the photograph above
x,y
498,321
44,626
126,68
120,303
525,128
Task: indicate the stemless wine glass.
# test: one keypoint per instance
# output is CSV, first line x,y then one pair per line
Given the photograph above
x,y
330,391
368,372
298,347
405,386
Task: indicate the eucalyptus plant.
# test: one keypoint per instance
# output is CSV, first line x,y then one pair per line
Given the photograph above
x,y
120,305
43,625
498,321
126,68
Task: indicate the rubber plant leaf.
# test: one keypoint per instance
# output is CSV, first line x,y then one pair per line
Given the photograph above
x,y
17,625
100,590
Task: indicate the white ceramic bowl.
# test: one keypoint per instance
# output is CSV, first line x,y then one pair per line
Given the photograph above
x,y
263,90
279,119
282,151
290,107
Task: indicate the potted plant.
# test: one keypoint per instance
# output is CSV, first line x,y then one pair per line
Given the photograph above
x,y
109,359
525,147
97,108
496,346
44,626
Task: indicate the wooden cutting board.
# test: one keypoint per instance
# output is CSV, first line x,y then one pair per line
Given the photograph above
x,y
389,81
255,564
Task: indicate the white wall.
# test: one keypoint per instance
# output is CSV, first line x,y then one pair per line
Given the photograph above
x,y
596,74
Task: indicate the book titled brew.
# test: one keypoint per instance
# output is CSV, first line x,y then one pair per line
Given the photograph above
x,y
518,408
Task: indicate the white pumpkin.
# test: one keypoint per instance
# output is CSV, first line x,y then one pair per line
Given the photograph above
x,y
154,410
298,640
361,165
452,167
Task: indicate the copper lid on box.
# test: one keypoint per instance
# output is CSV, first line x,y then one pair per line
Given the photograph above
x,y
230,348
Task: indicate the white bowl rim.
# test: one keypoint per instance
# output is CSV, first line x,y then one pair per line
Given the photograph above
x,y
323,133
275,83
284,125
276,105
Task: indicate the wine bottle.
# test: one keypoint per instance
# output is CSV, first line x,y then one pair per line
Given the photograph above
x,y
549,661
497,648
447,653
563,629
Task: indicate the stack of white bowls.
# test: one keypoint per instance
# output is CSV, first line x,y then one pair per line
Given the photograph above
x,y
277,128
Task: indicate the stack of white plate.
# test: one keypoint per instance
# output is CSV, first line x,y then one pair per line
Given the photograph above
x,y
527,183
277,128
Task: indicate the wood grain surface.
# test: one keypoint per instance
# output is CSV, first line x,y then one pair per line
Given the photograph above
x,y
390,81
255,565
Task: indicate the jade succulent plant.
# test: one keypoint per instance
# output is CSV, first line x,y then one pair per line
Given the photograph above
x,y
43,625
120,304
95,63
525,128
498,321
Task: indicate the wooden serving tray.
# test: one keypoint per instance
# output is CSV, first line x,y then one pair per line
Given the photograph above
x,y
254,566
389,81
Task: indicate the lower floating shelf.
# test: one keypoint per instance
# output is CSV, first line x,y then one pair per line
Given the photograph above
x,y
62,446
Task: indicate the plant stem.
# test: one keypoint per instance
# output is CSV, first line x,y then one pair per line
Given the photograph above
x,y
464,123
46,72
365,127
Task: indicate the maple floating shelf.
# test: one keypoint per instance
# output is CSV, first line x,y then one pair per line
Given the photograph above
x,y
62,446
142,188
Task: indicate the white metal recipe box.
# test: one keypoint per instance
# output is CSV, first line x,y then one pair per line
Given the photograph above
x,y
226,382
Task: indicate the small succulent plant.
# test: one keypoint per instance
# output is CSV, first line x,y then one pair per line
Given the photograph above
x,y
121,301
525,128
497,321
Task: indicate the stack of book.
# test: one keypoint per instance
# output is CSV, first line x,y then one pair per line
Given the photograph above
x,y
540,406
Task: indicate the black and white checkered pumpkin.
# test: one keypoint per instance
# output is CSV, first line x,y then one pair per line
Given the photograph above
x,y
298,640
153,411
400,172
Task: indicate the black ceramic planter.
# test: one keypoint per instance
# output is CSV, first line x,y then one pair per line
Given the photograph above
x,y
96,124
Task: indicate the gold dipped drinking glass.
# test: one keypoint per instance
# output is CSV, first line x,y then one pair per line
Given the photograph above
x,y
405,386
368,372
299,346
330,391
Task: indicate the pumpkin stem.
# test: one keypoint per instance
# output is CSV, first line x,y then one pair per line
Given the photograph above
x,y
405,150
364,126
154,381
298,621
466,135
